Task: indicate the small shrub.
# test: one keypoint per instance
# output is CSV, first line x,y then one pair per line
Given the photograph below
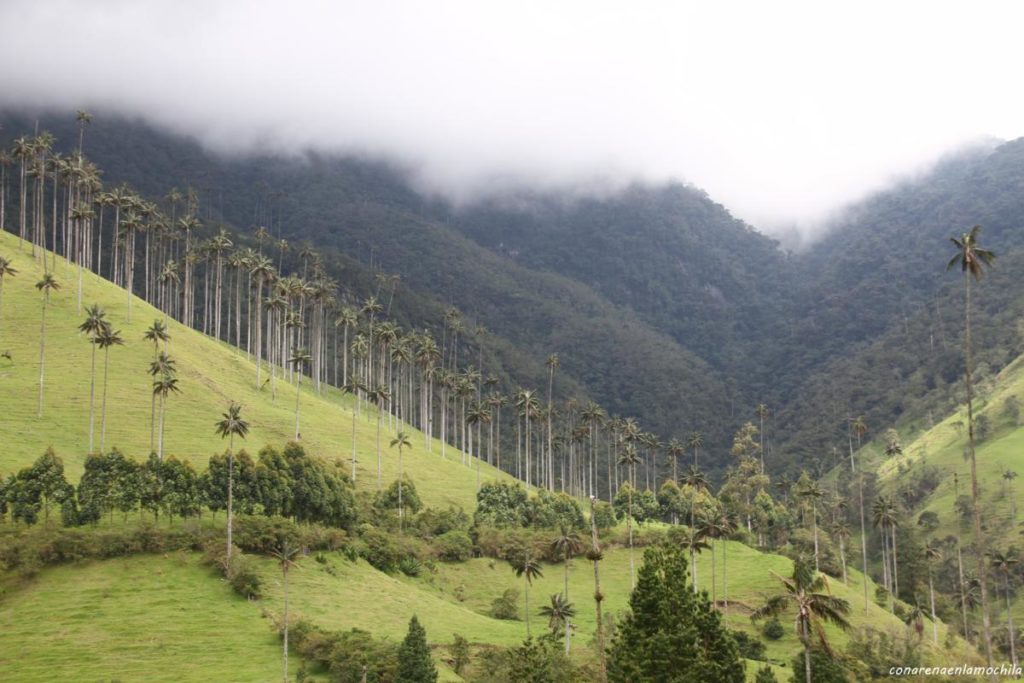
x,y
454,546
410,566
244,578
507,606
773,630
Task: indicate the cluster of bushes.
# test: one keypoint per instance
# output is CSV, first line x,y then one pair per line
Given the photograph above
x,y
28,549
286,483
505,505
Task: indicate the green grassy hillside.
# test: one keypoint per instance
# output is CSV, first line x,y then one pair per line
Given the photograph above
x,y
165,617
211,374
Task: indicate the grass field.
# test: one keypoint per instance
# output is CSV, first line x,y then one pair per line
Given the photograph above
x,y
211,373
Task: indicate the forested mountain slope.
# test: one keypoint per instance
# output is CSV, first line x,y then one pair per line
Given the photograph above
x,y
660,304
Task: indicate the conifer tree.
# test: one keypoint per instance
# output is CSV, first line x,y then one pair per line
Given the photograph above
x,y
414,662
670,634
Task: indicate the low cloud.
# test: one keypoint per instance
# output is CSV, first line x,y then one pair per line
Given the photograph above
x,y
782,113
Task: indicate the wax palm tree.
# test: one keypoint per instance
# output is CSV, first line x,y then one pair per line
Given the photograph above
x,y
762,412
973,259
105,339
1003,563
915,619
401,441
713,527
353,387
858,427
595,555
675,449
298,360
92,326
697,481
630,458
932,553
286,557
379,396
529,569
478,415
807,591
809,491
559,613
46,285
567,543
6,270
695,442
695,542
157,334
885,515
552,364
229,426
163,386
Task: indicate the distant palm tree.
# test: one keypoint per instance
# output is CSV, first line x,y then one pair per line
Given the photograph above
x,y
105,339
163,386
379,396
595,555
353,387
46,285
695,443
401,441
285,556
552,364
156,333
675,449
567,543
807,591
932,554
298,360
528,568
915,619
811,493
92,326
630,459
695,543
762,412
559,613
885,515
6,270
973,259
1003,563
231,425
697,481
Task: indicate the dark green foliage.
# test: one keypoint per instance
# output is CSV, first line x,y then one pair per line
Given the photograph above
x,y
825,668
380,549
388,498
414,662
750,647
454,546
604,516
535,661
765,675
928,521
292,484
432,522
773,629
507,606
38,488
553,510
670,634
501,504
410,566
645,505
110,482
214,484
244,578
346,655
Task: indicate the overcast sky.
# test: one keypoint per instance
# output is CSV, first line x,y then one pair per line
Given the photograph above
x,y
780,110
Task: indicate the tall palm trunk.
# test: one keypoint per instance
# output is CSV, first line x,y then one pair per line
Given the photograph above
x,y
931,595
103,409
42,356
92,398
979,538
231,490
598,596
285,571
1009,619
